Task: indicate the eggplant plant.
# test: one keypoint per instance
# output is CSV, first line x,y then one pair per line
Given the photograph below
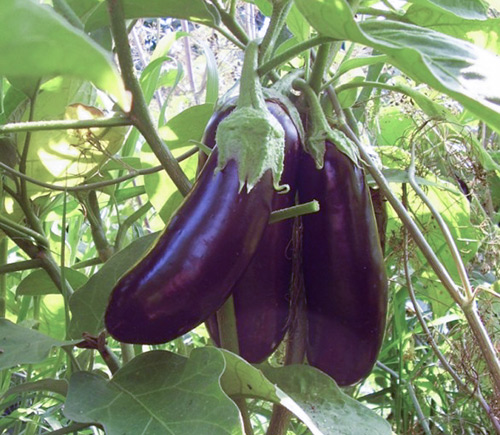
x,y
187,238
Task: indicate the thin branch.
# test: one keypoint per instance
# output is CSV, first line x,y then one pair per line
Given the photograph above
x,y
140,113
65,124
98,185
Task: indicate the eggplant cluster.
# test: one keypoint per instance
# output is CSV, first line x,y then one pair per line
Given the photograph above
x,y
219,242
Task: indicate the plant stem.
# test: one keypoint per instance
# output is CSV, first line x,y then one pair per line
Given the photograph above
x,y
476,391
296,336
139,114
19,266
3,278
189,62
100,184
319,67
294,211
276,23
65,124
104,249
229,20
127,223
291,53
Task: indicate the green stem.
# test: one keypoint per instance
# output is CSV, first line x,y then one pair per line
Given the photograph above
x,y
229,20
87,263
226,321
75,428
127,223
23,231
64,124
294,211
98,185
320,65
139,113
104,249
250,87
20,266
276,23
4,242
127,352
297,331
291,53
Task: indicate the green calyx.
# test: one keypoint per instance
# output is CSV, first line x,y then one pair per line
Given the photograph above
x,y
250,135
319,131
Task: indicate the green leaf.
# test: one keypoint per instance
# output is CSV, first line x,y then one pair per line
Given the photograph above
x,y
452,66
52,47
157,393
305,391
483,33
39,282
334,412
359,62
348,97
177,134
20,345
67,156
197,11
469,9
89,302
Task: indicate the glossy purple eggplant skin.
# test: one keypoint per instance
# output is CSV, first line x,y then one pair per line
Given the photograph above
x,y
190,271
261,295
344,273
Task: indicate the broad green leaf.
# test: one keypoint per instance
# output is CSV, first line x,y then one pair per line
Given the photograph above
x,y
52,47
394,126
298,25
20,345
177,132
483,33
186,126
89,302
469,9
452,66
67,156
39,282
197,11
311,395
157,393
334,412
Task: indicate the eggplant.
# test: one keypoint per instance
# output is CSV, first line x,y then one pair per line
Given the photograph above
x,y
343,266
261,296
190,271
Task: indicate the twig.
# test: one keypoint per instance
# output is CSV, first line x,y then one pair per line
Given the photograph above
x,y
139,113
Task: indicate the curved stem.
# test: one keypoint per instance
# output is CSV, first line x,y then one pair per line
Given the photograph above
x,y
98,185
229,20
65,124
276,23
476,391
291,53
319,67
139,113
127,223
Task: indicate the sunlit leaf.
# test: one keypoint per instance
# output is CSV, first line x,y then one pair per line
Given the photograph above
x,y
51,47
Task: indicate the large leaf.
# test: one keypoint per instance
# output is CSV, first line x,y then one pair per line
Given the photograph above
x,y
157,393
89,302
67,156
452,66
36,42
168,393
197,11
39,282
470,9
306,392
177,133
20,345
483,33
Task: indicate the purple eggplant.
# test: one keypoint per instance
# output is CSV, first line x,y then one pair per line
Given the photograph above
x,y
190,271
261,295
344,273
